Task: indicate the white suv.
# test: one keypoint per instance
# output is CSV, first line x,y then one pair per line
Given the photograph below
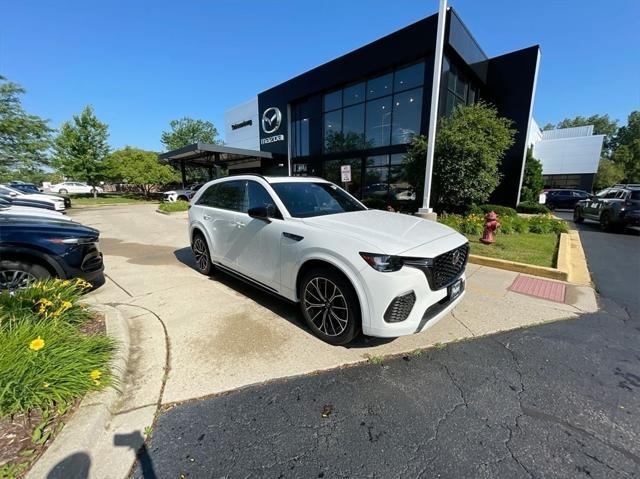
x,y
351,269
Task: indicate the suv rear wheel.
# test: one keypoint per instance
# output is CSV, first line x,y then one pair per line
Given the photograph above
x,y
201,253
63,191
577,215
605,221
19,274
330,306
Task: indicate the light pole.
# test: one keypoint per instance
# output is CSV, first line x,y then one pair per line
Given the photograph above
x,y
426,211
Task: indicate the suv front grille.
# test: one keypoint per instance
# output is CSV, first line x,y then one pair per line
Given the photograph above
x,y
400,308
442,270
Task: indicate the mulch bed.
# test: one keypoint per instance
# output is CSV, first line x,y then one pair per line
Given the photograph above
x,y
16,432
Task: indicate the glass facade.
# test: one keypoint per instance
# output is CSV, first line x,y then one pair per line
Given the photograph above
x,y
384,110
460,90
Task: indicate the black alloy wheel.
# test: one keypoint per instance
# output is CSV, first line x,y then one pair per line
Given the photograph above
x,y
577,216
330,306
201,254
605,221
63,191
16,275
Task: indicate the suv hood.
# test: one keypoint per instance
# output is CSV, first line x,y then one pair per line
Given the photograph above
x,y
391,233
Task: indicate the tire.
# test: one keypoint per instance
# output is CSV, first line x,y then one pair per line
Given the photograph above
x,y
330,306
605,221
182,198
62,191
16,275
201,253
577,216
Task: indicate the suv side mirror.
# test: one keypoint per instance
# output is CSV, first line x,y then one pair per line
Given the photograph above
x,y
259,212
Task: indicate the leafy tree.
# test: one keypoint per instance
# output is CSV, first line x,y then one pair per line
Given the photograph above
x,y
139,168
24,138
470,145
187,131
81,147
602,125
609,173
532,182
627,152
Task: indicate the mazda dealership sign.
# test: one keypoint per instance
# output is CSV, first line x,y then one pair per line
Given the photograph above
x,y
271,121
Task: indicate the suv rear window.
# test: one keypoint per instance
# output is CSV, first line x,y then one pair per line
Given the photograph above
x,y
635,195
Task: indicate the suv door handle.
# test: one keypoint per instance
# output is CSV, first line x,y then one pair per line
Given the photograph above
x,y
206,217
240,224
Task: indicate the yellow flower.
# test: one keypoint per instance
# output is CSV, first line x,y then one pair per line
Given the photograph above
x,y
96,382
45,302
37,344
95,374
66,282
45,385
82,283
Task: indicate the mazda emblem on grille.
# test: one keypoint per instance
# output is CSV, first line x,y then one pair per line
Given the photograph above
x,y
455,257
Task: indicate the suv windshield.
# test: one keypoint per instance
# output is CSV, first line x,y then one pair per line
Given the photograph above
x,y
306,199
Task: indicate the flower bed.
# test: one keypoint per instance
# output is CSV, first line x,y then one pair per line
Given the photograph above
x,y
54,351
532,240
174,207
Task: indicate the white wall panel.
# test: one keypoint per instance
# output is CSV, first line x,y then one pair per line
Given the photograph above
x,y
569,155
247,136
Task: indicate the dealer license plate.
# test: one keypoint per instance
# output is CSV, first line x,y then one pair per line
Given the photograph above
x,y
456,289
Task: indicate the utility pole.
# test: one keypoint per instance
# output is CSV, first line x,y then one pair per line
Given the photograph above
x,y
426,211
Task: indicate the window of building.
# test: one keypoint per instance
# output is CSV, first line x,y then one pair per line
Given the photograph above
x,y
376,183
460,89
378,122
353,127
333,100
407,112
353,94
331,172
350,124
380,86
300,137
409,77
333,131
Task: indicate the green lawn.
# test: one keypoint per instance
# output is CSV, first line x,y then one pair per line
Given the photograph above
x,y
174,207
107,200
538,249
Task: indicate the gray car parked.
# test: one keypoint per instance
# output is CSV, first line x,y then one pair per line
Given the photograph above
x,y
614,208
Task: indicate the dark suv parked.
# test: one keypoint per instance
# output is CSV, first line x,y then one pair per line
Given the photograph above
x,y
564,198
33,248
614,208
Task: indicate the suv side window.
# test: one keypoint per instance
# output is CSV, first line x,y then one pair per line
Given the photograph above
x,y
258,196
229,195
611,194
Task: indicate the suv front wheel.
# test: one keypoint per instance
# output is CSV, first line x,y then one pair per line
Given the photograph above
x,y
330,306
16,275
577,216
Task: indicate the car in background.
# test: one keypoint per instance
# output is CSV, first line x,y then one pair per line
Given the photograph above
x,y
614,208
184,194
30,188
565,198
67,187
8,208
351,269
33,248
57,202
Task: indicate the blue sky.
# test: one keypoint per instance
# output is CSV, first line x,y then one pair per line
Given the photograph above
x,y
144,63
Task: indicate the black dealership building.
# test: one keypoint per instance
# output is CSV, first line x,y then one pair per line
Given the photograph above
x,y
363,108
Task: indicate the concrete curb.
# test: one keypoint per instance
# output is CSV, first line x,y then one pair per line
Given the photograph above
x,y
162,212
83,430
551,273
170,213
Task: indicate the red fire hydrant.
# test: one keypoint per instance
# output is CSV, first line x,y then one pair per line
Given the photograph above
x,y
490,225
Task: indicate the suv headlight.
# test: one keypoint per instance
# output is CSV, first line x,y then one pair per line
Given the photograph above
x,y
382,262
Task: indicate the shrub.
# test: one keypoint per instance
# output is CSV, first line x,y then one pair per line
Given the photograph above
x,y
174,207
452,221
53,299
375,203
520,225
500,210
532,207
543,224
472,225
49,363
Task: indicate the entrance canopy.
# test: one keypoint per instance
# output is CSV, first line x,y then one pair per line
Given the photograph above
x,y
210,156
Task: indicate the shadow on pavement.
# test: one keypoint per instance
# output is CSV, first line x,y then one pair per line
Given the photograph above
x,y
281,307
75,466
135,441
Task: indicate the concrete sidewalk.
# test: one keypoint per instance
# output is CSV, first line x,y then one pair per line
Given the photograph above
x,y
224,335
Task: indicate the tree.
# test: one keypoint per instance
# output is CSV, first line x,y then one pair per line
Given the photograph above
x,y
81,147
186,131
139,168
609,173
24,138
532,181
627,151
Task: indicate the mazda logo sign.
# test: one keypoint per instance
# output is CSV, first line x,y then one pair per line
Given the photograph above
x,y
271,119
456,257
